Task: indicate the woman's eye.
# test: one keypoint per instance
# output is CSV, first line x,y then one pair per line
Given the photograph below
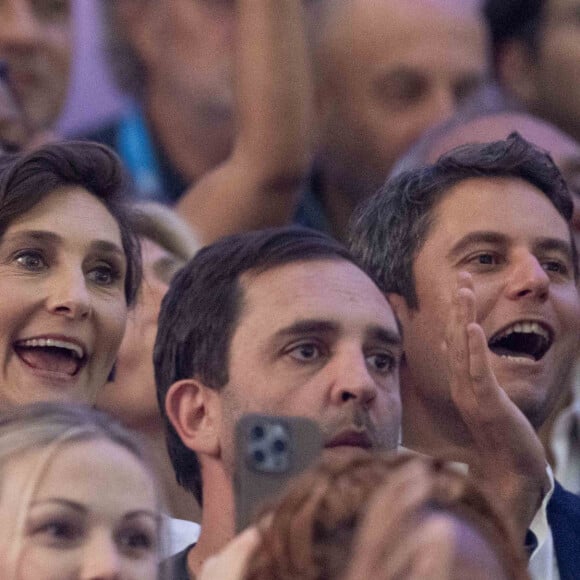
x,y
33,261
137,541
104,275
58,532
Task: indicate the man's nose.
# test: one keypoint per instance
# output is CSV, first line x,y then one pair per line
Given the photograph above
x,y
528,278
352,380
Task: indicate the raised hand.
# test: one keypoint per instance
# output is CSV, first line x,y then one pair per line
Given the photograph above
x,y
259,184
506,456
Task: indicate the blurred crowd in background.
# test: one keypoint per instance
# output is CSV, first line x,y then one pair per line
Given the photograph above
x,y
178,178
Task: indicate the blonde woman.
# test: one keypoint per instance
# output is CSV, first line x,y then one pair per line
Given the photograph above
x,y
130,394
78,499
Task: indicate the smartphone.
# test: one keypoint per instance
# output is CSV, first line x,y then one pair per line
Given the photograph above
x,y
270,451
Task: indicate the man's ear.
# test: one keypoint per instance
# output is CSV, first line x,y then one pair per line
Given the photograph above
x,y
516,70
194,411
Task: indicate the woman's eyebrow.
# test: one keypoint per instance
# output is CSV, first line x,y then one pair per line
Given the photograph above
x,y
60,501
33,235
143,512
107,247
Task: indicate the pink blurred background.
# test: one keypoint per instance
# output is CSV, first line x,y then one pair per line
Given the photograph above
x,y
92,96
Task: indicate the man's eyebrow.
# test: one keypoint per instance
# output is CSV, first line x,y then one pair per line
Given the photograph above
x,y
554,245
62,502
314,326
385,335
307,326
478,237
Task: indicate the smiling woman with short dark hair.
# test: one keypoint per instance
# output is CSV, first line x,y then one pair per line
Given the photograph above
x,y
69,270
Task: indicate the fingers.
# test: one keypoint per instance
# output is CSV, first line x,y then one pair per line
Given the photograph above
x,y
456,348
231,562
489,394
505,454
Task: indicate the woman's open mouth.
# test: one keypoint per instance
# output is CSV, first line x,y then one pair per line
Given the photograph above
x,y
51,355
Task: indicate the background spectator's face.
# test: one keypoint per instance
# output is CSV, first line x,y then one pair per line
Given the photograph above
x,y
132,394
35,41
315,339
497,229
13,131
94,515
62,280
186,47
389,69
555,69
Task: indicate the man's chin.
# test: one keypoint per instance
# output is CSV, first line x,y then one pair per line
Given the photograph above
x,y
532,399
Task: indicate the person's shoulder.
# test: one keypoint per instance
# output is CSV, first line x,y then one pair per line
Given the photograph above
x,y
564,520
565,501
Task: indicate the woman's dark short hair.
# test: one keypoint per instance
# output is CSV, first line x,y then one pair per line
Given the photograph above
x,y
389,230
200,312
27,178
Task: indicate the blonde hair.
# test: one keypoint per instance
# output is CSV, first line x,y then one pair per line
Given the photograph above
x,y
45,429
162,225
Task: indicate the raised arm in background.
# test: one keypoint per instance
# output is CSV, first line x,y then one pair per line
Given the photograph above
x,y
259,184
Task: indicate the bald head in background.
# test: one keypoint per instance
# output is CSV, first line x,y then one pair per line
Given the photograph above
x,y
564,149
387,70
